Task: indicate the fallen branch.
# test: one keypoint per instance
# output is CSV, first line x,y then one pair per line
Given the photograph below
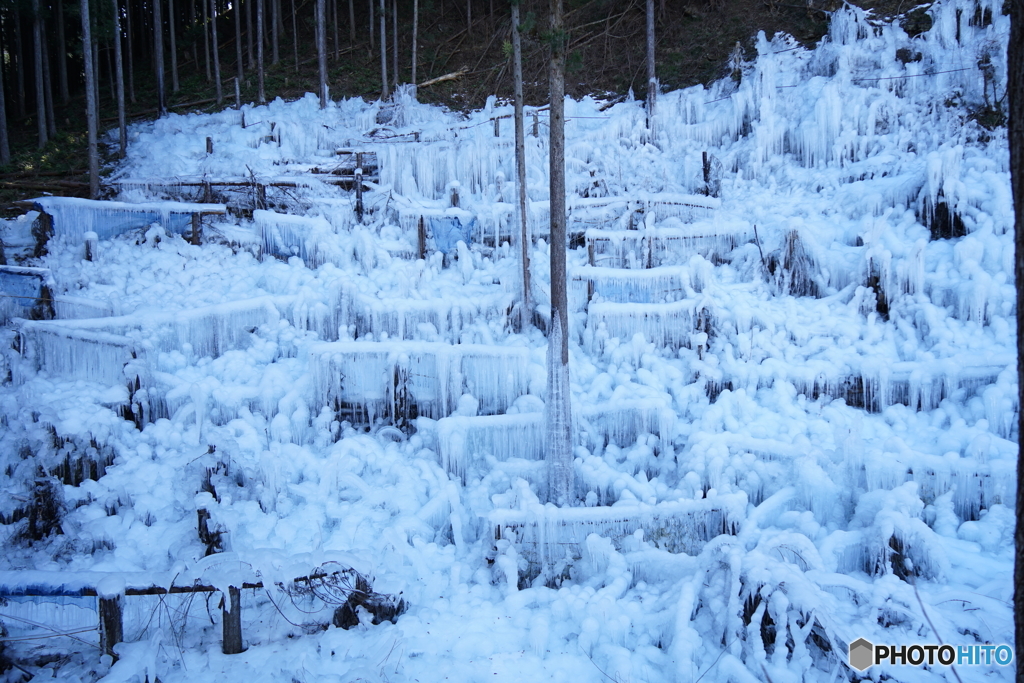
x,y
455,75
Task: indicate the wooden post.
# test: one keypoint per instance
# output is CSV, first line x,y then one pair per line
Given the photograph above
x,y
384,93
321,50
122,125
111,626
454,197
197,228
558,420
359,185
261,197
497,127
216,51
207,192
652,80
520,135
238,94
92,119
421,240
232,624
158,49
536,124
209,145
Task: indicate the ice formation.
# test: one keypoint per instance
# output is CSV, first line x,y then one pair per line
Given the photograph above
x,y
792,378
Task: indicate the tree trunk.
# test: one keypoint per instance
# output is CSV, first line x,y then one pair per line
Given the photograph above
x,y
385,93
652,80
1015,88
122,127
158,49
469,17
216,51
415,39
334,23
261,94
352,21
37,43
525,310
394,42
131,58
248,32
275,26
559,423
206,39
235,9
90,102
174,47
62,61
51,121
321,50
373,27
19,50
5,143
295,38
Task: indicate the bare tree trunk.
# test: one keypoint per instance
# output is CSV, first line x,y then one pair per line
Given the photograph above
x,y
559,440
469,16
235,9
334,21
525,309
174,47
652,80
415,39
96,74
122,127
248,32
5,143
109,55
90,102
51,121
131,51
394,41
206,39
1015,88
321,50
385,93
261,95
158,48
37,42
216,50
295,38
19,50
373,27
275,31
352,21
62,61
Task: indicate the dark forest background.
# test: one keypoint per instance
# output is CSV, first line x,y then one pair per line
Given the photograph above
x,y
42,47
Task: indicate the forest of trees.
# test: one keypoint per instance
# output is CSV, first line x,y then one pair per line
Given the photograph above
x,y
208,52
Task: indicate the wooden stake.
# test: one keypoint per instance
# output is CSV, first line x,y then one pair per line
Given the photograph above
x,y
197,229
111,625
421,240
232,624
209,145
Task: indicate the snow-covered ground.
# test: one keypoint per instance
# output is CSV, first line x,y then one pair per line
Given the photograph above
x,y
794,404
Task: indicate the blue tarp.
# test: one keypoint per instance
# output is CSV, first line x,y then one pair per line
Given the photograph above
x,y
21,288
448,230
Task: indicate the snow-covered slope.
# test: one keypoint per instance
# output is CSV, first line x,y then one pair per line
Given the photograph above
x,y
794,401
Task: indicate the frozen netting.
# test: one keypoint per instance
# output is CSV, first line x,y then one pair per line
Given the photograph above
x,y
377,377
311,239
73,217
